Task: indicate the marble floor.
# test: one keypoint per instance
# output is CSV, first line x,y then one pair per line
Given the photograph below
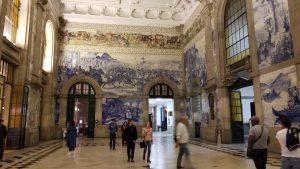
x,y
95,153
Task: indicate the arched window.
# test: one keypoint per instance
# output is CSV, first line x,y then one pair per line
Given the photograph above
x,y
11,20
81,88
236,31
161,90
48,47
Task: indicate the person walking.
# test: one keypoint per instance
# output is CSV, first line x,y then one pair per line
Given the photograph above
x,y
130,137
71,137
289,159
123,133
182,138
113,128
3,134
258,143
148,138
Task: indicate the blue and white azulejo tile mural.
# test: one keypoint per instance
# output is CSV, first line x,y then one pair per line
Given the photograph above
x,y
280,96
122,109
195,65
119,74
273,34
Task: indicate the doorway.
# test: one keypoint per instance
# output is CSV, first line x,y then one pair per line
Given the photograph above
x,y
161,108
161,113
81,108
242,109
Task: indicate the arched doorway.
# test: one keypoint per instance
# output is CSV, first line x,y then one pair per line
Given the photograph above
x,y
81,108
161,108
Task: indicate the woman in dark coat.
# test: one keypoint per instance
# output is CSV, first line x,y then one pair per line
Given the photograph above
x,y
71,137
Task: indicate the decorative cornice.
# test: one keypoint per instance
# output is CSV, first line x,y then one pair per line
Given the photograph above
x,y
198,25
188,23
127,50
123,28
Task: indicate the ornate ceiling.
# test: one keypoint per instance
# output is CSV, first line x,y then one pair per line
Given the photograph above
x,y
129,12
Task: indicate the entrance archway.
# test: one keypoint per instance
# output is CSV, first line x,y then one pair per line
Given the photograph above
x,y
161,107
242,108
82,93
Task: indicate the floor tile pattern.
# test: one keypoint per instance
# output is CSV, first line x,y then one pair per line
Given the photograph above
x,y
272,160
95,154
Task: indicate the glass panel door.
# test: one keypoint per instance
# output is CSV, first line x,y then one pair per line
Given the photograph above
x,y
236,117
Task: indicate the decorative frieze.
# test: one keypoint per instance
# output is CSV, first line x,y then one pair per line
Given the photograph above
x,y
197,21
124,28
127,50
136,40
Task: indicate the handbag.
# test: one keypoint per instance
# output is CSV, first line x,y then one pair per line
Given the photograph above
x,y
249,153
142,144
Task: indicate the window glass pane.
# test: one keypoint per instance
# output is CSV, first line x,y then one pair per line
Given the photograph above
x,y
234,6
241,33
243,9
242,44
235,49
233,39
247,52
244,19
245,30
233,28
227,42
246,43
226,32
228,53
240,20
231,51
238,4
11,20
236,31
237,35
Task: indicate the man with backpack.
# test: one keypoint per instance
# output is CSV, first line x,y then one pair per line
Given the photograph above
x,y
289,143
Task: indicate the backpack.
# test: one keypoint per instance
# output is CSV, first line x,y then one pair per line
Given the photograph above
x,y
292,138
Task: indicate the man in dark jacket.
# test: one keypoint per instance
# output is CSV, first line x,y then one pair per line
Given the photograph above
x,y
3,133
130,137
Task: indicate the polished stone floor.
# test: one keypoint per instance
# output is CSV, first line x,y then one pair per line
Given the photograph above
x,y
95,153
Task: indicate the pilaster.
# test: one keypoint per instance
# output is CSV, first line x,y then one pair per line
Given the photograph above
x,y
295,28
225,117
3,6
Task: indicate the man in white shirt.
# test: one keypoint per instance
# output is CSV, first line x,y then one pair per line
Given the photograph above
x,y
182,138
289,159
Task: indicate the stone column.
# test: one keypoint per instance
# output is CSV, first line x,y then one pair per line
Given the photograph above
x,y
47,126
98,116
257,98
295,29
225,116
38,41
63,110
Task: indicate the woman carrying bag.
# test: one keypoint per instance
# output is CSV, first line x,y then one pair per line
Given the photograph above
x,y
147,135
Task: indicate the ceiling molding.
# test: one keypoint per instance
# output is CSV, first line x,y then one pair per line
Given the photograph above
x,y
129,12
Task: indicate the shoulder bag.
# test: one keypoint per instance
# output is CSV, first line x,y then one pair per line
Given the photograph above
x,y
249,151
